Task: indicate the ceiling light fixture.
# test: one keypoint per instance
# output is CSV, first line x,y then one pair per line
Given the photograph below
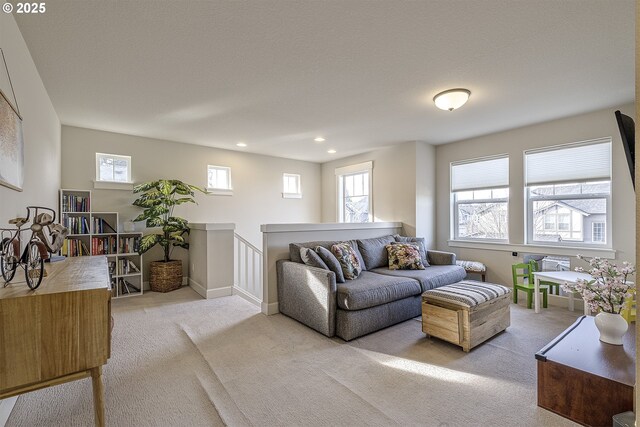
x,y
241,144
332,151
319,139
451,99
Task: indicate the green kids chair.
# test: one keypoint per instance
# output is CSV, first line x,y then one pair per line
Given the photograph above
x,y
523,281
536,267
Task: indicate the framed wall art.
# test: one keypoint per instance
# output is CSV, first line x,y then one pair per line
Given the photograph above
x,y
11,146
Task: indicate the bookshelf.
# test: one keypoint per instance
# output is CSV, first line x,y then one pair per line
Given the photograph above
x,y
97,233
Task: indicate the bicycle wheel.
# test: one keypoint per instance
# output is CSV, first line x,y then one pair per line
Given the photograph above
x,y
8,260
34,266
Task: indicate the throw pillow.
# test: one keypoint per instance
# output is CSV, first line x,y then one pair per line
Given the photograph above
x,y
348,259
311,258
404,256
416,241
332,262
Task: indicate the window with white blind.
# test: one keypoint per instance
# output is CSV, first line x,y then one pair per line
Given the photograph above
x,y
354,192
291,188
219,180
568,192
480,196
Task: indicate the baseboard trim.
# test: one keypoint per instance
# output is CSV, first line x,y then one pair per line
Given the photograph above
x,y
210,293
270,309
246,295
6,406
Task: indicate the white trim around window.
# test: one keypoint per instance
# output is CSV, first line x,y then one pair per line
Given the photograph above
x,y
359,175
291,186
219,180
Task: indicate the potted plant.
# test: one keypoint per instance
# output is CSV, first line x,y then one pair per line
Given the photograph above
x,y
607,293
158,199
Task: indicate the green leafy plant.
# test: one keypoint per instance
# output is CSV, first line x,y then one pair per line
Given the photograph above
x,y
158,199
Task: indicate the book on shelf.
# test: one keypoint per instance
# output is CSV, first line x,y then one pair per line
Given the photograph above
x,y
76,224
127,287
100,225
75,247
126,266
105,245
73,203
129,244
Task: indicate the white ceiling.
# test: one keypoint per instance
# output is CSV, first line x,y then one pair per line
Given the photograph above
x,y
362,74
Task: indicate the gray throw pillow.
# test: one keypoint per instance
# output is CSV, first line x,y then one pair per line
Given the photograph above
x,y
421,246
374,251
311,258
332,262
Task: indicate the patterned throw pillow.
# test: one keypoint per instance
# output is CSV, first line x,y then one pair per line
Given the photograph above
x,y
404,256
348,259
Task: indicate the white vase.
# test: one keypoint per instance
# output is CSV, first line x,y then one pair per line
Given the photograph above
x,y
612,327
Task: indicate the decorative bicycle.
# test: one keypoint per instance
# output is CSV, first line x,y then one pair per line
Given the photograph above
x,y
37,248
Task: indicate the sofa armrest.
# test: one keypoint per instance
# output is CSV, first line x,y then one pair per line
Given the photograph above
x,y
307,294
441,258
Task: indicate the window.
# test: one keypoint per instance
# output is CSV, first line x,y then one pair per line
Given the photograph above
x,y
113,168
480,195
568,191
219,179
597,232
291,188
354,193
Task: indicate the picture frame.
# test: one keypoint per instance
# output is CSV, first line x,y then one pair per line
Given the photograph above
x,y
11,145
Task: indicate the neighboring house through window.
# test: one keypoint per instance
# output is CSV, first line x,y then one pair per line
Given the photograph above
x,y
113,168
354,185
480,196
568,190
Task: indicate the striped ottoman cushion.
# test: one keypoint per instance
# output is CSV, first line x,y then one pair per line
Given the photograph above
x,y
467,293
472,266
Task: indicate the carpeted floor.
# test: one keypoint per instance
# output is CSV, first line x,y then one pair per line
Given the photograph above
x,y
178,360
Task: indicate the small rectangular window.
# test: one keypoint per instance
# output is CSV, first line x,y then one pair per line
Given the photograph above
x,y
291,188
113,168
353,193
598,232
219,178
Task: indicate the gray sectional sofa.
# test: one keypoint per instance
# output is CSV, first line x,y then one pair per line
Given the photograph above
x,y
376,299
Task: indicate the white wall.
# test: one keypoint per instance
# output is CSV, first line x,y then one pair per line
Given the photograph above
x,y
514,142
41,127
403,186
256,179
41,130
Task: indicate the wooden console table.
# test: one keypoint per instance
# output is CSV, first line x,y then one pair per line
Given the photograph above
x,y
584,379
58,333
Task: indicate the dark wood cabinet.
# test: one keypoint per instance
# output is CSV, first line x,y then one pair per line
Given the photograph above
x,y
584,379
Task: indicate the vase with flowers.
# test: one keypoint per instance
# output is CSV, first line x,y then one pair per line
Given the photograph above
x,y
606,293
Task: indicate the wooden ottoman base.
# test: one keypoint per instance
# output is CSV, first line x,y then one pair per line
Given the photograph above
x,y
463,325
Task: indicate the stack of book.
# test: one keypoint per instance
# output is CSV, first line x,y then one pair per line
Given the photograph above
x,y
126,266
77,224
103,245
129,245
71,203
75,247
102,226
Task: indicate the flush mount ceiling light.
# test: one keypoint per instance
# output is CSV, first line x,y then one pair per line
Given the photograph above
x,y
451,99
319,139
332,151
241,144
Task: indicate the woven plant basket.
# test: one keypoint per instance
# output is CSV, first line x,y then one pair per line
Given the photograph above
x,y
165,276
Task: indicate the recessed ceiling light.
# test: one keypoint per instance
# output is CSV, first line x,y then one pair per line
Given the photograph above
x,y
241,144
332,151
319,139
451,99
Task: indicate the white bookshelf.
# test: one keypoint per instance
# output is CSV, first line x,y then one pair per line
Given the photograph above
x,y
98,233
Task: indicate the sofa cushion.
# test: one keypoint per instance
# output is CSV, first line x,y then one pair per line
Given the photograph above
x,y
294,248
404,256
371,289
374,251
419,241
311,257
430,278
332,262
348,259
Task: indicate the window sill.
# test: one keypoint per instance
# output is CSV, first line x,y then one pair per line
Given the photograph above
x,y
535,249
292,195
112,185
220,192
